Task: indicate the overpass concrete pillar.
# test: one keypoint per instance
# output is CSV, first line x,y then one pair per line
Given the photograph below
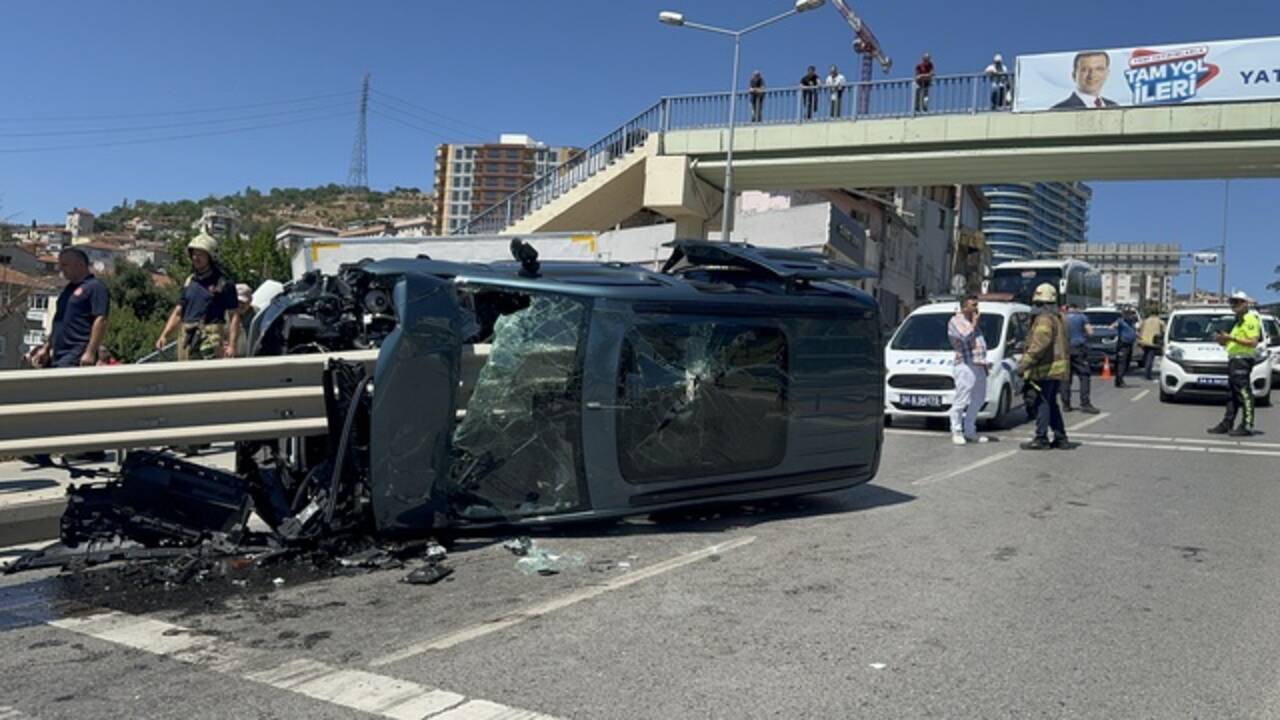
x,y
671,188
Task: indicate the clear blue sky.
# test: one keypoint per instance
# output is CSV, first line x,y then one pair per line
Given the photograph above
x,y
564,71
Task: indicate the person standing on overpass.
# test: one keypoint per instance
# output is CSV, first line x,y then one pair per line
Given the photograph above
x,y
755,88
1044,366
809,93
1242,347
970,372
924,79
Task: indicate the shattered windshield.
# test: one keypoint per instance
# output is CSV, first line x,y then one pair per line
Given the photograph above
x,y
515,449
700,399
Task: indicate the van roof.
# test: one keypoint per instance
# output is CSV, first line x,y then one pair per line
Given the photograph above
x,y
985,306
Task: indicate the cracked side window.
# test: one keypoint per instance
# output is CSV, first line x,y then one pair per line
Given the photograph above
x,y
700,399
516,448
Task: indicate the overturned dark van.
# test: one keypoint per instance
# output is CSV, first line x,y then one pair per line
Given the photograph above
x,y
530,393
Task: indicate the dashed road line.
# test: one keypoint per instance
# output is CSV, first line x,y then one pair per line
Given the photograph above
x,y
967,468
1140,395
358,690
502,623
1086,423
9,713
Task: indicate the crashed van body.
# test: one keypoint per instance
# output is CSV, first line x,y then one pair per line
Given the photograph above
x,y
464,395
736,373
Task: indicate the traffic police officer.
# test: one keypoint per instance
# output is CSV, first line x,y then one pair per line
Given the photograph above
x,y
1242,347
208,309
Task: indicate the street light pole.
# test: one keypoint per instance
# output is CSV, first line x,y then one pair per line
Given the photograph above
x,y
677,19
726,211
1222,257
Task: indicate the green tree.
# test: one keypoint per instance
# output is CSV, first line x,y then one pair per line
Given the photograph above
x,y
251,260
138,311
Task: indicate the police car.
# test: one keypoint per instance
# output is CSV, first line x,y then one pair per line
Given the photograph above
x,y
1195,365
919,359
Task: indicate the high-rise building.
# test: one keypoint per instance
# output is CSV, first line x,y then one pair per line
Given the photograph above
x,y
472,177
1030,220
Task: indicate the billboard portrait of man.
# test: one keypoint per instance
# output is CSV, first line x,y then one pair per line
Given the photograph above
x,y
1089,71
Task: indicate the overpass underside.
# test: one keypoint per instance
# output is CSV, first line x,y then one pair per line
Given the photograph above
x,y
1211,141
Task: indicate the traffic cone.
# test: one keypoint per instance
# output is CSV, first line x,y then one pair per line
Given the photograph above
x,y
1106,368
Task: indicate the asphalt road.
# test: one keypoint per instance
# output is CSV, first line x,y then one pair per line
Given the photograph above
x,y
1136,577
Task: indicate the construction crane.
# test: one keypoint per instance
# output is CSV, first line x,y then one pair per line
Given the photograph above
x,y
867,46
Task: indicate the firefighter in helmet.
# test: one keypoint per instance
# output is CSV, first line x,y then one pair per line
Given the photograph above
x,y
207,315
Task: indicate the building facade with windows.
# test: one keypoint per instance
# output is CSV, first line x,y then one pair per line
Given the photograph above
x,y
1026,221
1137,274
470,178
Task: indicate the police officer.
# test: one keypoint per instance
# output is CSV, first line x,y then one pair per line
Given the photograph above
x,y
1078,333
1242,345
208,309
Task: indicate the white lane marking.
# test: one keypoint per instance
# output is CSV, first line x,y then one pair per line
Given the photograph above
x,y
946,475
355,689
1086,423
1140,395
1182,448
501,623
9,713
1193,441
921,433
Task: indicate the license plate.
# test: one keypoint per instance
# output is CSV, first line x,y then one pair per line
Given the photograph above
x,y
922,401
1212,381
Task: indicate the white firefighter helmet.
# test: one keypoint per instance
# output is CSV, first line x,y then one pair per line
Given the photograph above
x,y
1046,293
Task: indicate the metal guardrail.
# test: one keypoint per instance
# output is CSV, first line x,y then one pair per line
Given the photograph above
x,y
945,95
177,403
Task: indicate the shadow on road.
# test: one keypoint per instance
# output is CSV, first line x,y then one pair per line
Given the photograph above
x,y
26,485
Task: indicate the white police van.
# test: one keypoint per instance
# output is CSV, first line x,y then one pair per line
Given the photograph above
x,y
1195,365
919,360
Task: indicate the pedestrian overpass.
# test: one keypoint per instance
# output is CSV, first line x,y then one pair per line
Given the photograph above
x,y
671,158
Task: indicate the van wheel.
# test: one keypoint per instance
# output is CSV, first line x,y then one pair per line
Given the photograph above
x,y
1165,397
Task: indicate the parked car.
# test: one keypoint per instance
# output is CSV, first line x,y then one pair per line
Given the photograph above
x,y
919,360
1195,365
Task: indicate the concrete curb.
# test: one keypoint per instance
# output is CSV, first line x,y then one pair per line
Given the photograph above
x,y
32,521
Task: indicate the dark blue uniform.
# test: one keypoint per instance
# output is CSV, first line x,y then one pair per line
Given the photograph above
x,y
79,305
207,300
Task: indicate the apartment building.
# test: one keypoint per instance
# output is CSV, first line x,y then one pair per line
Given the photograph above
x,y
469,178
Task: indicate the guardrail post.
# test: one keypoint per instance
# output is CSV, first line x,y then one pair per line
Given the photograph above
x,y
973,103
508,213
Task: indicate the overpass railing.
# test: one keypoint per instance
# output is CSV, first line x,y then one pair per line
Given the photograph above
x,y
945,95
579,167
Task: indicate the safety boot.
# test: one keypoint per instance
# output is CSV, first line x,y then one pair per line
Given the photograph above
x,y
1221,428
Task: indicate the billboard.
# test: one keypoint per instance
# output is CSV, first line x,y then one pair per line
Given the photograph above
x,y
1207,72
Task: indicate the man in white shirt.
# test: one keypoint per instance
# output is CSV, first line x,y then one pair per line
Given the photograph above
x,y
998,74
1089,71
835,86
970,372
